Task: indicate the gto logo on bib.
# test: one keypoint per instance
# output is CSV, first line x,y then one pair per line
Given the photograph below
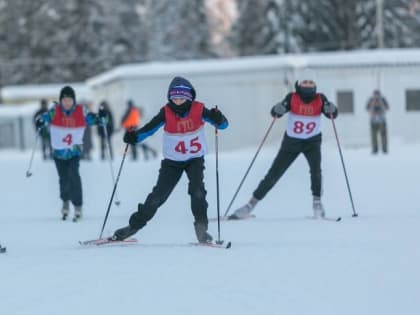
x,y
186,125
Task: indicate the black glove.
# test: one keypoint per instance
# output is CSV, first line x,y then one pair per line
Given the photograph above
x,y
102,113
39,123
216,116
329,108
278,110
130,137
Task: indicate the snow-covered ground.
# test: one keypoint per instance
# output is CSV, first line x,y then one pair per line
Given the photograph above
x,y
280,262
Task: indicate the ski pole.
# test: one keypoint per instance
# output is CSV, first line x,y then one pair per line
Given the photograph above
x,y
344,167
216,137
249,168
108,142
28,172
113,191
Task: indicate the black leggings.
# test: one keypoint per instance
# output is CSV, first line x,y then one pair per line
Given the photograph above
x,y
69,180
169,174
289,151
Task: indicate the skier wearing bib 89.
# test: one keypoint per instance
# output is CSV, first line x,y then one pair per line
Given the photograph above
x,y
184,147
303,135
67,121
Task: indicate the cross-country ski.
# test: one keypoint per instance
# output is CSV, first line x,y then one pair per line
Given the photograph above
x,y
108,241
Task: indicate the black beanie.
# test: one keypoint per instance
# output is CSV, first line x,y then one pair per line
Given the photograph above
x,y
67,91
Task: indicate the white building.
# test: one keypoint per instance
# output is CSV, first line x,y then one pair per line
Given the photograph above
x,y
245,89
33,93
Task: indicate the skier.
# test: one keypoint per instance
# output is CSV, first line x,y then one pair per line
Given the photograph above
x,y
184,147
303,135
67,121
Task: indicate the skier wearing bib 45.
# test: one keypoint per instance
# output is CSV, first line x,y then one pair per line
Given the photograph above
x,y
303,135
67,121
184,147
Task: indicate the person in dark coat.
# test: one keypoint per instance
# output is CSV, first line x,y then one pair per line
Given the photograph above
x,y
303,135
184,147
87,137
67,121
377,106
104,141
44,133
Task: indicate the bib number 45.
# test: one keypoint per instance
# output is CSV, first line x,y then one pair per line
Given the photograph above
x,y
193,147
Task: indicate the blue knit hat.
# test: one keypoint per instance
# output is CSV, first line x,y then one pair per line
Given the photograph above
x,y
180,91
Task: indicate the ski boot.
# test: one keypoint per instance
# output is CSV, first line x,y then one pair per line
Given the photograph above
x,y
318,208
2,249
77,214
65,210
123,233
201,232
244,211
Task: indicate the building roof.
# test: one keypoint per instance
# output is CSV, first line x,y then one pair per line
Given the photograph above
x,y
15,93
355,58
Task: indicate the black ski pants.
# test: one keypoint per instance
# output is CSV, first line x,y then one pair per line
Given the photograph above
x,y
69,180
379,129
289,151
104,143
169,174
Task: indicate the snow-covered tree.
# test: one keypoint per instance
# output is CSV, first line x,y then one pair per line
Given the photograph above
x,y
252,33
178,30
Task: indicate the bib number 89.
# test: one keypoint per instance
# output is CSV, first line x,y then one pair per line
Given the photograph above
x,y
300,127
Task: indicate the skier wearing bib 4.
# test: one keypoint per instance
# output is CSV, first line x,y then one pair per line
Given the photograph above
x,y
184,147
303,135
67,121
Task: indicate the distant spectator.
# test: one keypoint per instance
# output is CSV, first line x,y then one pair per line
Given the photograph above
x,y
87,137
377,106
104,142
44,133
144,146
130,120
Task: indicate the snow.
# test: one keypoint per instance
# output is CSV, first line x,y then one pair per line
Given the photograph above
x,y
280,262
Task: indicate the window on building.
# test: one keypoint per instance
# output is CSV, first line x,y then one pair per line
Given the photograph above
x,y
345,102
412,100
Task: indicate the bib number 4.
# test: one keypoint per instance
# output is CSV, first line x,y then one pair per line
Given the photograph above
x,y
68,139
194,146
